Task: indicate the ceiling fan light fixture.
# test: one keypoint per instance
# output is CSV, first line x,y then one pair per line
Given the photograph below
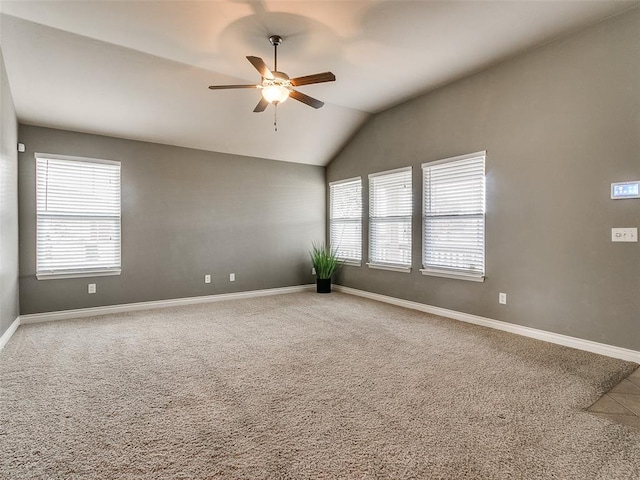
x,y
275,93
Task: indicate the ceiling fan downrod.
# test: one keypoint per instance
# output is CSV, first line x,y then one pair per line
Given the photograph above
x,y
275,41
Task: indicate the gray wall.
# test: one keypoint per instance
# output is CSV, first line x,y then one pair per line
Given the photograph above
x,y
185,213
559,125
8,204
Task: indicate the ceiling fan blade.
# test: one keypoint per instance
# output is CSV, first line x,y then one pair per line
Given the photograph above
x,y
306,99
316,78
227,87
262,104
261,67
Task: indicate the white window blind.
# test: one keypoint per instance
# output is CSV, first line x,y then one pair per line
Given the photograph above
x,y
390,218
454,211
345,219
78,216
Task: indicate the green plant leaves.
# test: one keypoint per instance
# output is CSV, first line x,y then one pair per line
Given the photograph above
x,y
324,260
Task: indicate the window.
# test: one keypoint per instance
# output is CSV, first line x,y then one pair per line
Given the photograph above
x,y
345,219
453,223
78,217
390,220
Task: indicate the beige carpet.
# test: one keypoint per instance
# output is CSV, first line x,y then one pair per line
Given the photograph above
x,y
302,386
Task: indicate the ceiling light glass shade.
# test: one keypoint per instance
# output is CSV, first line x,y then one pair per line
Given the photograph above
x,y
275,93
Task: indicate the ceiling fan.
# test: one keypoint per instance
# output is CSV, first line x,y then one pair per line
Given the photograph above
x,y
277,86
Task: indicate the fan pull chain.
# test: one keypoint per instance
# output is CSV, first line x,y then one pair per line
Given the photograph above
x,y
275,117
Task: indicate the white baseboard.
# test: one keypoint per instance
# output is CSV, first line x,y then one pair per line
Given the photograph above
x,y
9,333
131,307
578,343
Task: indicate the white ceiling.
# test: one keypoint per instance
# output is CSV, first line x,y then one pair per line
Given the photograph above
x,y
140,70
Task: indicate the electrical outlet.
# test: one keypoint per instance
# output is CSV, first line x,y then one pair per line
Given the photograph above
x,y
502,298
313,271
91,288
207,279
232,277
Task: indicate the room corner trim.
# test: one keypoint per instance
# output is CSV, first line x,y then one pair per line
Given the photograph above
x,y
175,302
6,336
567,341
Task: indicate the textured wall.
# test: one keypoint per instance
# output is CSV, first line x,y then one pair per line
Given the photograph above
x,y
185,213
559,125
8,205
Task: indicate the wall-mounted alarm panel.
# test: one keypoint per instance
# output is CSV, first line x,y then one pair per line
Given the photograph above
x,y
625,190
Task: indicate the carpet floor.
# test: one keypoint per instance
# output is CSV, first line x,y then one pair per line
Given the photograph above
x,y
302,386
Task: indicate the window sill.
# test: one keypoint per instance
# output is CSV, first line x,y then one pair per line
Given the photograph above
x,y
351,263
455,275
96,273
392,268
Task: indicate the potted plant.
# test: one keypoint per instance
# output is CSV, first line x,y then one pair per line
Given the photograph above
x,y
325,263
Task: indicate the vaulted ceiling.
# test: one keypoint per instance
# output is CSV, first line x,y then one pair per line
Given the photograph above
x,y
140,70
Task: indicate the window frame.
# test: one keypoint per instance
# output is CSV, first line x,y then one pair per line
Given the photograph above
x,y
345,260
82,272
453,272
395,267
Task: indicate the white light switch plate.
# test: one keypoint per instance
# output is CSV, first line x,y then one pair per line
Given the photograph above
x,y
624,234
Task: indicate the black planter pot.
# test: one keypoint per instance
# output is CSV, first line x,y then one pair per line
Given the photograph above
x,y
323,285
